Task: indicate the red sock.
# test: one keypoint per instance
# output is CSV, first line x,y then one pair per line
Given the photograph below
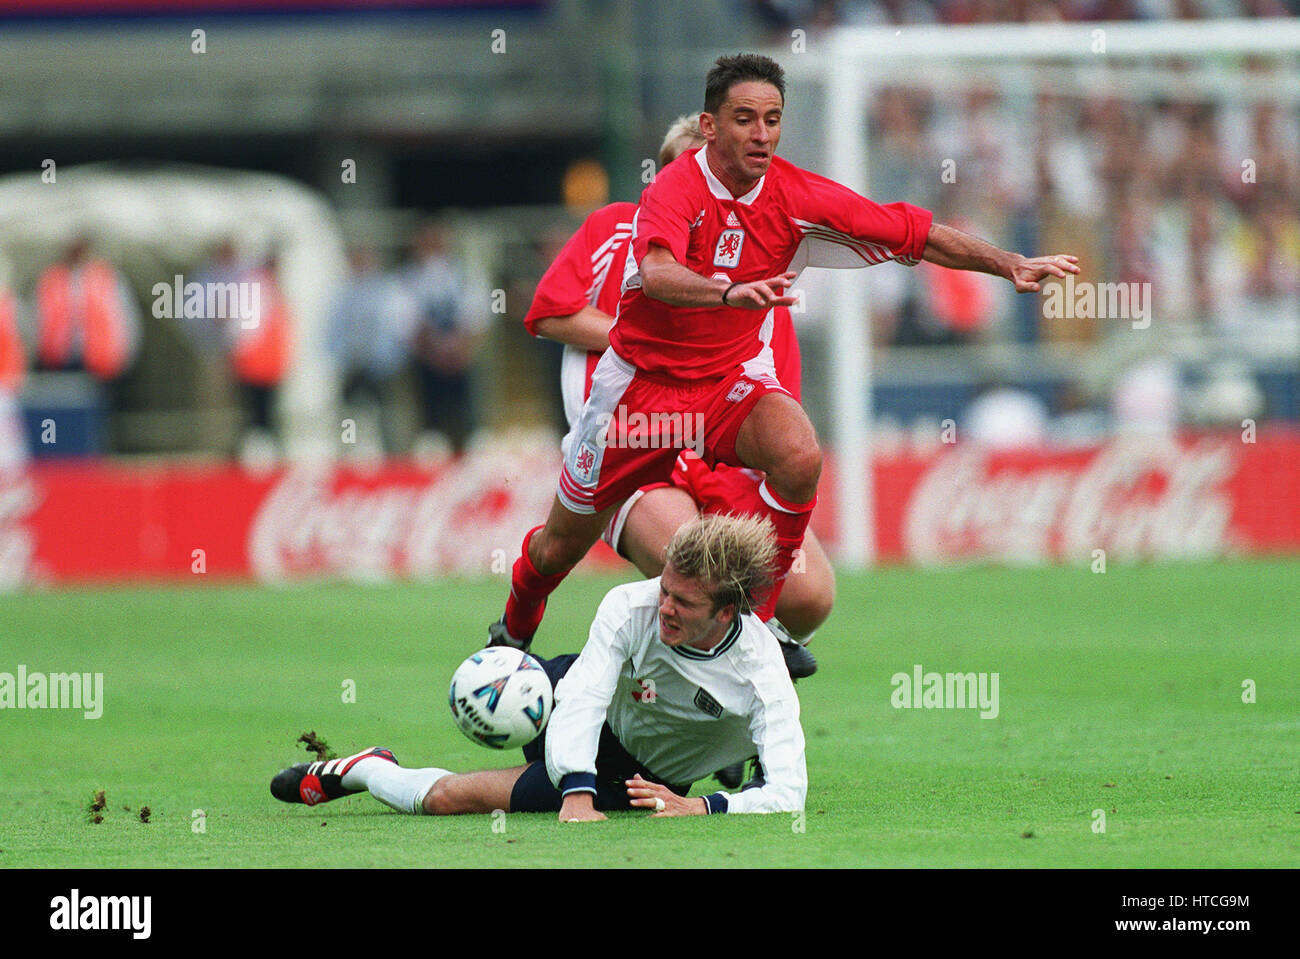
x,y
790,521
528,592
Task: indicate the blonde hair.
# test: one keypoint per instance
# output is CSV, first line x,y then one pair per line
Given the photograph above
x,y
686,125
731,556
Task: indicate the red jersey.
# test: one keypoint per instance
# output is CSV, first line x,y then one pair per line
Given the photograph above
x,y
589,272
789,220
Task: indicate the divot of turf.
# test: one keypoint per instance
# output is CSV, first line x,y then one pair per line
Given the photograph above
x,y
95,808
314,744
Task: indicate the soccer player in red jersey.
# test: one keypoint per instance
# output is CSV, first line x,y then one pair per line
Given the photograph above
x,y
718,239
574,304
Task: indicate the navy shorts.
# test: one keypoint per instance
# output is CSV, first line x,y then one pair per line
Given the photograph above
x,y
533,790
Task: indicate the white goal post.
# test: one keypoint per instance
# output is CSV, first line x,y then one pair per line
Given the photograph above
x,y
1122,58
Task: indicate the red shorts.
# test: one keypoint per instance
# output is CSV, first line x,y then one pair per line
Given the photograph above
x,y
633,426
729,490
724,489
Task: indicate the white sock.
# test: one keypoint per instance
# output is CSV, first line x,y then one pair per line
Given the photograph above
x,y
355,777
402,789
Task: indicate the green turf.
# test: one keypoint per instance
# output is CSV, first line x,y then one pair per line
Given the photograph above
x,y
1119,692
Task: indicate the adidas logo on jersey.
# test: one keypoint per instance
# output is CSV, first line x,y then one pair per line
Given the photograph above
x,y
732,219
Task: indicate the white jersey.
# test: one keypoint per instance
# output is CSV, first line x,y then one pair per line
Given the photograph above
x,y
680,712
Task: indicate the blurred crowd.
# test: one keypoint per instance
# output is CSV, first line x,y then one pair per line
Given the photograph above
x,y
419,327
1201,201
402,342
1192,206
1191,195
783,15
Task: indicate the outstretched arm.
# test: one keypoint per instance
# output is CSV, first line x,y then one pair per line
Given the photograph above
x,y
956,250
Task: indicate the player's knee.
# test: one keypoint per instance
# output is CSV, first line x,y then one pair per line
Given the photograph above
x,y
817,607
441,799
804,613
809,595
798,473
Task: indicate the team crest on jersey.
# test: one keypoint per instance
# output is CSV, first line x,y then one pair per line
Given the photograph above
x,y
708,703
727,253
584,464
739,391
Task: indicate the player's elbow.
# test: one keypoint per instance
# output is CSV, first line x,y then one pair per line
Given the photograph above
x,y
794,799
652,277
786,799
551,327
656,272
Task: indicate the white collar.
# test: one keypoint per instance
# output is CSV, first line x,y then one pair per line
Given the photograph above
x,y
716,187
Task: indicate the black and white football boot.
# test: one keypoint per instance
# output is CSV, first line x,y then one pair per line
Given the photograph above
x,y
499,636
321,781
798,660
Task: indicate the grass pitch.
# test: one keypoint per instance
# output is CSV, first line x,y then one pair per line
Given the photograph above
x,y
1120,693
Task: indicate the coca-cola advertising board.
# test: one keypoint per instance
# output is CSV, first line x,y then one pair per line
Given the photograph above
x,y
1191,498
1195,497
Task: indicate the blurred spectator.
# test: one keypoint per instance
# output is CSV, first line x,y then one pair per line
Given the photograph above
x,y
886,12
86,316
260,350
1006,417
961,301
369,338
1080,422
550,352
452,317
210,334
13,360
1146,399
1228,396
13,365
778,15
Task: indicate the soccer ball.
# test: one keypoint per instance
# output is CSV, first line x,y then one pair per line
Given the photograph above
x,y
501,698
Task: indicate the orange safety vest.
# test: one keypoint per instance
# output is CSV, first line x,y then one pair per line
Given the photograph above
x,y
96,309
12,359
261,354
959,299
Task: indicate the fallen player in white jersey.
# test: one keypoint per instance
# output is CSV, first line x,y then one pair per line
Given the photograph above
x,y
678,678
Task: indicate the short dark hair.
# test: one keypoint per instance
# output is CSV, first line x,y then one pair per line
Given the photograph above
x,y
728,71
